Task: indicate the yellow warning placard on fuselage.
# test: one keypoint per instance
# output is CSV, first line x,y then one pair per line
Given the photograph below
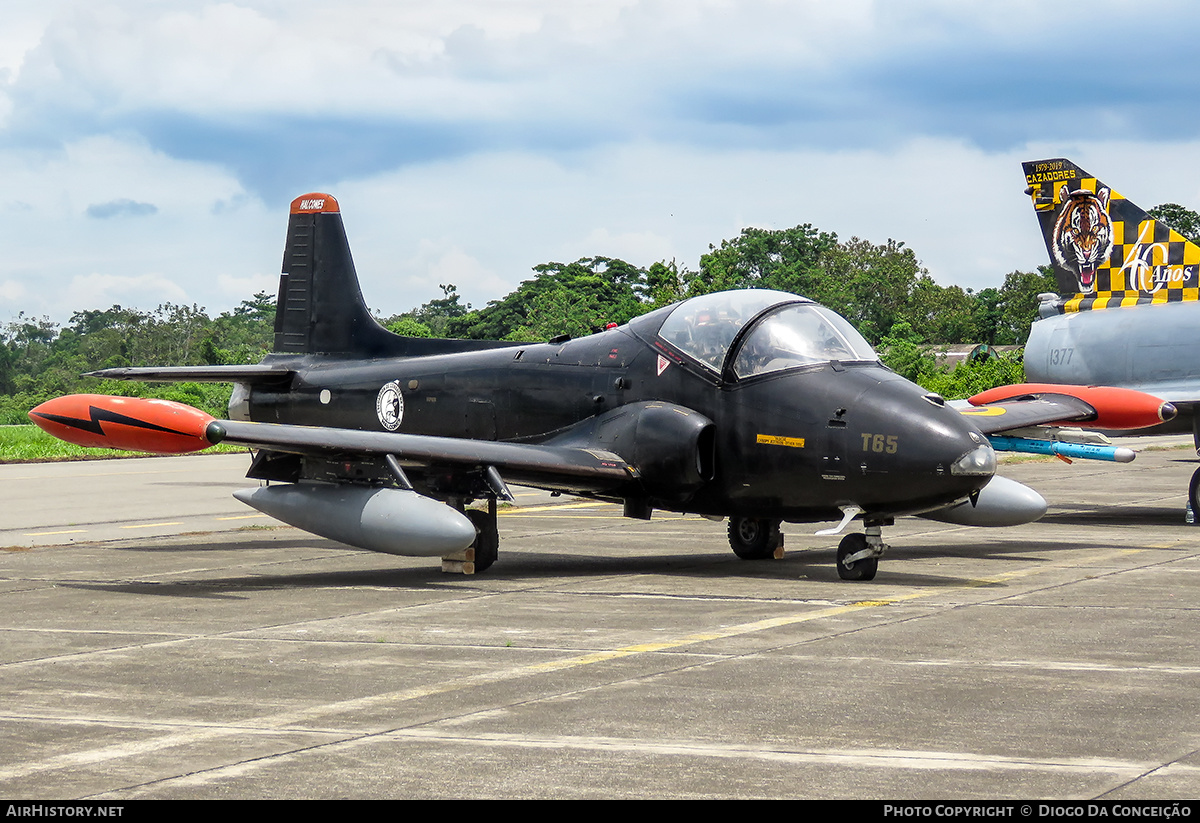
x,y
778,440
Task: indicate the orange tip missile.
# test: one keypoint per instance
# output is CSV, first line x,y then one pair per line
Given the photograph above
x,y
129,423
1116,409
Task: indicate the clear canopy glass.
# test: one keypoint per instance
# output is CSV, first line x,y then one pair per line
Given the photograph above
x,y
705,326
799,333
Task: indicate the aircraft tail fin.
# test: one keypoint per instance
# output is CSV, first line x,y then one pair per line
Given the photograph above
x,y
320,309
1105,250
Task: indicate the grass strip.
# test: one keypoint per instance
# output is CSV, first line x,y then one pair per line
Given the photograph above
x,y
29,444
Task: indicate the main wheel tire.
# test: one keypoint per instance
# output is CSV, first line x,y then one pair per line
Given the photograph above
x,y
753,538
859,569
487,539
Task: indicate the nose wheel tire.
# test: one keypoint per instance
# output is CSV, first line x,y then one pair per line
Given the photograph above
x,y
753,538
863,569
1194,498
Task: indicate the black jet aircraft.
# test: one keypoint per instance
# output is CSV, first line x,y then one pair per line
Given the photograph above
x,y
757,406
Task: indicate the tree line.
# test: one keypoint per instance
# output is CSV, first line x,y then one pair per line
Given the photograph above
x,y
874,286
881,288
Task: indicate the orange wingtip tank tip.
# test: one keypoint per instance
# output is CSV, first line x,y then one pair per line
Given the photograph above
x,y
1116,409
127,423
314,203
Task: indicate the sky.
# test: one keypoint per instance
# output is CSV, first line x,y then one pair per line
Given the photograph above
x,y
149,150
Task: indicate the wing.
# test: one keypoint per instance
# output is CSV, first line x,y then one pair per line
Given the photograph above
x,y
1006,415
162,426
260,373
351,485
1008,411
576,469
1031,404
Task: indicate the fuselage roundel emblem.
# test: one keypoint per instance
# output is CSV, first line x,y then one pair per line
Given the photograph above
x,y
389,406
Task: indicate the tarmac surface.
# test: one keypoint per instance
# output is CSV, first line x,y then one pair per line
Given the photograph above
x,y
160,640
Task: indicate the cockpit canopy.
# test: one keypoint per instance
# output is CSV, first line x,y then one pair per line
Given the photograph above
x,y
767,331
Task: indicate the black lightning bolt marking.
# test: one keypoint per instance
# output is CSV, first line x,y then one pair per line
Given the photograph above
x,y
99,416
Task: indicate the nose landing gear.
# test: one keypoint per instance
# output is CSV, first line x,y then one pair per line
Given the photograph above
x,y
858,554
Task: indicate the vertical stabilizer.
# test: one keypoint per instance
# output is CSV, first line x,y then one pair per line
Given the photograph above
x,y
1105,250
320,308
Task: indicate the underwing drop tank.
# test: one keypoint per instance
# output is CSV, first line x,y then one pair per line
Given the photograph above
x,y
392,521
1002,502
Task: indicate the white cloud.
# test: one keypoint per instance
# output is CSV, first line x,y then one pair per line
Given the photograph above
x,y
56,250
234,289
105,168
960,209
11,292
471,140
435,261
643,247
103,290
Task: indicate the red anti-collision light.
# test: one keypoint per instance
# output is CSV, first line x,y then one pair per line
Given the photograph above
x,y
128,423
1116,409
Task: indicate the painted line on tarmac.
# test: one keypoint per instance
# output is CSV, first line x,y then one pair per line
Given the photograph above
x,y
878,758
140,526
72,475
304,720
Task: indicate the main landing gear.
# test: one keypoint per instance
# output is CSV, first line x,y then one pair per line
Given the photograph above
x,y
481,554
754,538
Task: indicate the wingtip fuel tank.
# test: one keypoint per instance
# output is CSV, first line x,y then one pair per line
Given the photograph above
x,y
127,423
1116,408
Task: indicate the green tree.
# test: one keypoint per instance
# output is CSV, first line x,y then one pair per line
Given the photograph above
x,y
1183,220
942,314
1003,316
563,298
903,351
785,259
967,379
244,335
561,310
666,283
408,327
873,285
28,343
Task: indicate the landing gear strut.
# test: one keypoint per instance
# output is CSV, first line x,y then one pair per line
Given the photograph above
x,y
858,554
1194,499
753,538
1192,515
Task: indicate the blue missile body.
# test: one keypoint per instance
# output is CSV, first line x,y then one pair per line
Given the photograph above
x,y
1059,448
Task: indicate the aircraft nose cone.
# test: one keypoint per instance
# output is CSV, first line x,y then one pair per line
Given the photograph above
x,y
936,456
